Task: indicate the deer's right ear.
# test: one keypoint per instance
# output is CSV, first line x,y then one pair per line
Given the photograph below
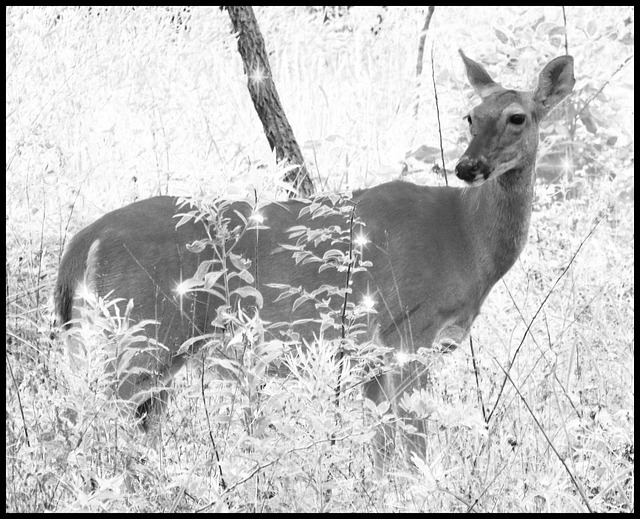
x,y
479,78
555,83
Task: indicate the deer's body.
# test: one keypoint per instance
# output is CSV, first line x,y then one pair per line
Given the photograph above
x,y
436,252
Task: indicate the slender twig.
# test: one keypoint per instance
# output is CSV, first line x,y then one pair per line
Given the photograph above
x,y
629,58
340,358
223,483
13,379
475,370
423,37
435,91
566,30
541,306
577,485
348,277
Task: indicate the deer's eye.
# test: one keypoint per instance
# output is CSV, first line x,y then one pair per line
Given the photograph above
x,y
517,119
468,119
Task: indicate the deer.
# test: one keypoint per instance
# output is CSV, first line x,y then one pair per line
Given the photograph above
x,y
433,252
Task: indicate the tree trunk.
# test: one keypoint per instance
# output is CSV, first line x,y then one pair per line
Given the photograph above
x,y
265,97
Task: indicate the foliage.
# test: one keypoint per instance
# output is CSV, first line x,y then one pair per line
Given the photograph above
x,y
106,105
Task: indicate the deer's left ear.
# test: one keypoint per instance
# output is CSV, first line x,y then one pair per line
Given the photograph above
x,y
555,83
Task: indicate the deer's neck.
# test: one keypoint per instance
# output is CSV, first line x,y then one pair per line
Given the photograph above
x,y
499,213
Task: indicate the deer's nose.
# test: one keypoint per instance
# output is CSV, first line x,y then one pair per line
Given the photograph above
x,y
470,169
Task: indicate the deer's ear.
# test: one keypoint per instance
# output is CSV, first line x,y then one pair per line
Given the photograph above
x,y
479,78
555,83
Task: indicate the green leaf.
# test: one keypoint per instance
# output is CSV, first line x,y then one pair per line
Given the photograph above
x,y
244,292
